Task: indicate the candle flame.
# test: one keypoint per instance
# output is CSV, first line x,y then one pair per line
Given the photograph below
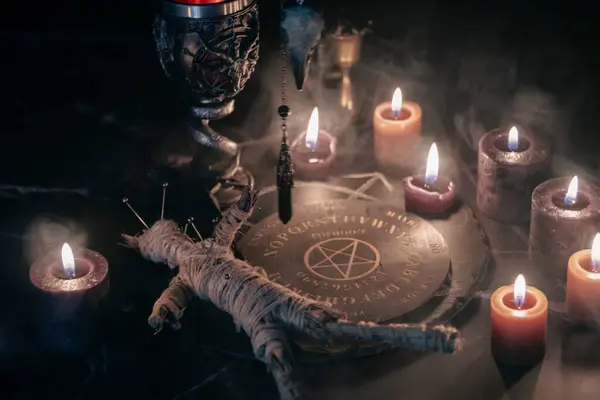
x,y
513,139
312,132
397,103
433,165
596,253
520,291
571,195
68,260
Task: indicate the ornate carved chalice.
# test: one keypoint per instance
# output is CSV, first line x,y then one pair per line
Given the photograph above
x,y
209,49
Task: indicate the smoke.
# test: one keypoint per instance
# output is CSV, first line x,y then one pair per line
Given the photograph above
x,y
469,74
46,235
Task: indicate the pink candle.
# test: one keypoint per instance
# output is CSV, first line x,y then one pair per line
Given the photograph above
x,y
313,152
430,193
71,291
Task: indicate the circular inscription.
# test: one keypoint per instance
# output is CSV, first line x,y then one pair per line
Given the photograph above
x,y
372,261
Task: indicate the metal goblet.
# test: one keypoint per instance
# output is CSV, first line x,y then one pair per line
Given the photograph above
x,y
344,51
209,49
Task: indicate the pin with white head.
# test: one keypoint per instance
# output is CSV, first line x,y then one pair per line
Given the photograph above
x,y
126,202
164,196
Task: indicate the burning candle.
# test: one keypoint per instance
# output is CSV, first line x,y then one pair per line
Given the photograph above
x,y
565,213
71,274
519,315
396,129
313,152
511,164
71,288
583,285
429,193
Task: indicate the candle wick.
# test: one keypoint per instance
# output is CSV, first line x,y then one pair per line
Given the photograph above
x,y
569,200
519,302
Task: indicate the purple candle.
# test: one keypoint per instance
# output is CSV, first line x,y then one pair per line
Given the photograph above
x,y
565,214
313,152
72,288
429,193
510,165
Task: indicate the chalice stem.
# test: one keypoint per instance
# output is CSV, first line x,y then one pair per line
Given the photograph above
x,y
346,95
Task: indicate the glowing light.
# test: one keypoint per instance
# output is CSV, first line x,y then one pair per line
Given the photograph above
x,y
520,291
596,253
68,261
433,165
397,103
571,195
312,132
513,139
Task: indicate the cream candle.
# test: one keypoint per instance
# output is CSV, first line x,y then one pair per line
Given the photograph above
x,y
396,129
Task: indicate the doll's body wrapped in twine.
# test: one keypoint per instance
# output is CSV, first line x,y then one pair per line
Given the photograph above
x,y
263,309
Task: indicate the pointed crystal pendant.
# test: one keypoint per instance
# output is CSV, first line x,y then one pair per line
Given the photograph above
x,y
302,28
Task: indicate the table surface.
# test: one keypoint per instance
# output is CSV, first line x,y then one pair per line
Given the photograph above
x,y
106,137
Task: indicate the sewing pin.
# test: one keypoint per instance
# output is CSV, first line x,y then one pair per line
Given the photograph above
x,y
162,210
126,201
191,222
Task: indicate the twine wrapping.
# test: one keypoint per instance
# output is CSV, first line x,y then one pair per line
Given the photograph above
x,y
263,309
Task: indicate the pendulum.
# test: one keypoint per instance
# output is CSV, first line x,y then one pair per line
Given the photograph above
x,y
301,28
285,178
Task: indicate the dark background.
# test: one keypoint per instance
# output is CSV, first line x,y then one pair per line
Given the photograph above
x,y
83,102
527,60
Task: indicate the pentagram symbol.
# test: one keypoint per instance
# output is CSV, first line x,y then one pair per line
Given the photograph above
x,y
342,259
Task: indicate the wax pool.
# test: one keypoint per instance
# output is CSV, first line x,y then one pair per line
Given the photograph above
x,y
519,335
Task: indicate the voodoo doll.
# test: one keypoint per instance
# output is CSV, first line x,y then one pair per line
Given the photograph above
x,y
265,310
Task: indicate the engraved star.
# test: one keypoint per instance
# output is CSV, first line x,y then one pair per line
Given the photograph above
x,y
343,259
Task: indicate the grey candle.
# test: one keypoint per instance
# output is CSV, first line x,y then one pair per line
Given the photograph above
x,y
511,164
565,216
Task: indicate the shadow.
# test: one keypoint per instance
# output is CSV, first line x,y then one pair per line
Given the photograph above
x,y
580,362
357,372
512,375
579,347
